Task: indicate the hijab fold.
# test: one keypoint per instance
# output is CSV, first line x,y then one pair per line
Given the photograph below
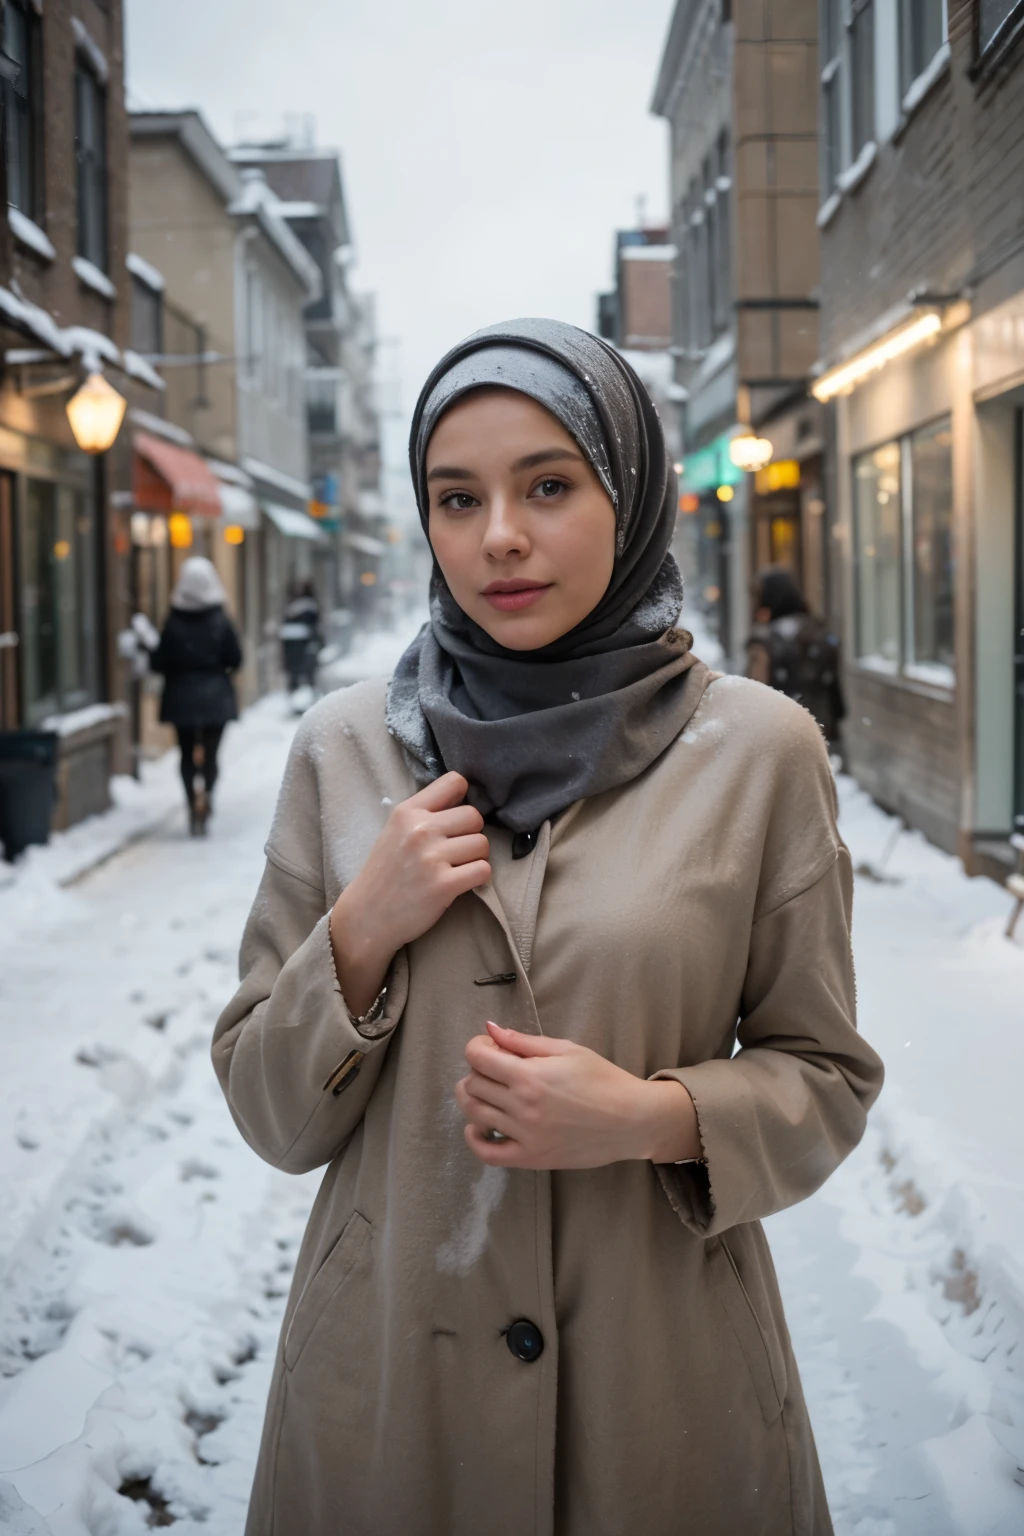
x,y
534,731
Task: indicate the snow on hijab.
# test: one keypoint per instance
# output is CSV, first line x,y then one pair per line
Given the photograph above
x,y
535,731
198,586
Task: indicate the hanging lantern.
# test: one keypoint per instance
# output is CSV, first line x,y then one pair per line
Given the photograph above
x,y
96,412
750,453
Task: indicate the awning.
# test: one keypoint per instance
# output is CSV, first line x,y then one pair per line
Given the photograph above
x,y
365,545
166,478
294,525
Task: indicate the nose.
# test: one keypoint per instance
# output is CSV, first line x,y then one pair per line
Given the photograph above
x,y
505,533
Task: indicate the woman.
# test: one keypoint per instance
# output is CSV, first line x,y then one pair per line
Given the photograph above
x,y
513,920
197,653
793,651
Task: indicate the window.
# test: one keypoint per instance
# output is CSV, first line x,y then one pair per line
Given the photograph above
x,y
922,34
831,94
60,649
91,157
930,600
903,555
23,101
147,319
254,325
862,76
877,522
723,237
998,22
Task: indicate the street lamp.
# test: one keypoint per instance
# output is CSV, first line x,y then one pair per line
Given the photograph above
x,y
750,453
96,412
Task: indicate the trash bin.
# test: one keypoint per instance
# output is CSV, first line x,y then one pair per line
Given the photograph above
x,y
28,775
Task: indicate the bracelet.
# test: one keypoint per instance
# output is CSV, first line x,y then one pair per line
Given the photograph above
x,y
689,1162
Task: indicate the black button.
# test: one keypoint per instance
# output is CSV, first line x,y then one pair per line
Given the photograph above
x,y
525,1340
523,843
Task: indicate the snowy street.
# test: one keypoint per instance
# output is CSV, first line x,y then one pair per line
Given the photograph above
x,y
145,1252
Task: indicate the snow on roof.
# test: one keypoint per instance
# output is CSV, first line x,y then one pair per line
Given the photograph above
x,y
136,367
647,253
139,267
161,428
257,200
301,210
29,317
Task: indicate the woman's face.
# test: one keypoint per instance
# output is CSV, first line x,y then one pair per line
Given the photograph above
x,y
522,528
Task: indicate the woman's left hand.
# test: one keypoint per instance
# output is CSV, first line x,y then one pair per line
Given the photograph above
x,y
563,1106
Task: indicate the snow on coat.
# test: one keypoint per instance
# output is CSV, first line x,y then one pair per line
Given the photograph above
x,y
713,888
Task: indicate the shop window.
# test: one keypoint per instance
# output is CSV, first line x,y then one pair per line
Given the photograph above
x,y
91,159
877,522
922,34
930,601
23,108
60,638
903,556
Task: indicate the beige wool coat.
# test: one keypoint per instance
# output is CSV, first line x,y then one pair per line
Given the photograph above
x,y
692,924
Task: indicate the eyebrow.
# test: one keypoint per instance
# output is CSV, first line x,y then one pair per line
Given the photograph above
x,y
529,461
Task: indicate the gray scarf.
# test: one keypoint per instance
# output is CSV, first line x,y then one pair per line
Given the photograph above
x,y
535,731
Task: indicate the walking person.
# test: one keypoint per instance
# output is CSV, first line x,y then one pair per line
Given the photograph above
x,y
550,967
300,636
197,654
792,650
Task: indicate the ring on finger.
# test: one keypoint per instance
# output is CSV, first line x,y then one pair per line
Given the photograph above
x,y
493,1134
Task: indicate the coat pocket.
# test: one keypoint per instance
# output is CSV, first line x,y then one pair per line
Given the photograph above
x,y
324,1284
769,1378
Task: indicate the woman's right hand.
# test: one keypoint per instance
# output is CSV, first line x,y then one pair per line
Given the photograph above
x,y
432,849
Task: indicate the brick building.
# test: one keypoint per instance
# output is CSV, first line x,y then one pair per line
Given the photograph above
x,y
922,362
65,314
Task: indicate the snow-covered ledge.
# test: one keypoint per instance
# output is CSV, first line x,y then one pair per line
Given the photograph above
x,y
27,232
851,178
90,274
139,267
918,89
828,210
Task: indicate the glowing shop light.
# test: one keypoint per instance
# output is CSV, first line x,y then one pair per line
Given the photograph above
x,y
233,534
750,453
725,493
180,529
841,380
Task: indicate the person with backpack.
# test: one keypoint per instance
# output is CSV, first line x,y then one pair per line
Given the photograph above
x,y
197,654
792,650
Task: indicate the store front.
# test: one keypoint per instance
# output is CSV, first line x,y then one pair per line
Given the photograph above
x,y
177,512
903,448
713,502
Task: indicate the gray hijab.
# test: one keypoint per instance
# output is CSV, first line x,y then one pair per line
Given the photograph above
x,y
535,731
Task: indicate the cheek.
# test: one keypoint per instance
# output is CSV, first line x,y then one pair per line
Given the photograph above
x,y
453,550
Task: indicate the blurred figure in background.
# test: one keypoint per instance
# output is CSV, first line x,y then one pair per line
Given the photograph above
x,y
300,636
197,654
791,650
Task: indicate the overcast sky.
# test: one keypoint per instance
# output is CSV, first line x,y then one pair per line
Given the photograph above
x,y
489,149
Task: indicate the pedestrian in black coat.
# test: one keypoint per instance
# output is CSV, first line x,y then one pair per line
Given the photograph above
x,y
197,654
792,650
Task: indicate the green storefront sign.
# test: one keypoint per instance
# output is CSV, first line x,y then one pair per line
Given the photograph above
x,y
707,468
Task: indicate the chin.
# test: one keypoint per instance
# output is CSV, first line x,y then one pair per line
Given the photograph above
x,y
518,633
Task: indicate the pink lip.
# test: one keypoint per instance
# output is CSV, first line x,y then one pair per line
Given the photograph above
x,y
509,597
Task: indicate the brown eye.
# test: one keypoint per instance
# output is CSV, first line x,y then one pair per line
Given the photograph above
x,y
459,501
548,488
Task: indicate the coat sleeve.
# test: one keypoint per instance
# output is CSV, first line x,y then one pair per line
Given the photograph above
x,y
780,1115
231,651
295,1071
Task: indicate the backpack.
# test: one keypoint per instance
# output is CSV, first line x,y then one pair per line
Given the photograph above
x,y
804,660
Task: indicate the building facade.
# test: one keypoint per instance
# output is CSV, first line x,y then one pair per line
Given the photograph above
x,y
342,418
65,314
922,363
220,286
738,87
